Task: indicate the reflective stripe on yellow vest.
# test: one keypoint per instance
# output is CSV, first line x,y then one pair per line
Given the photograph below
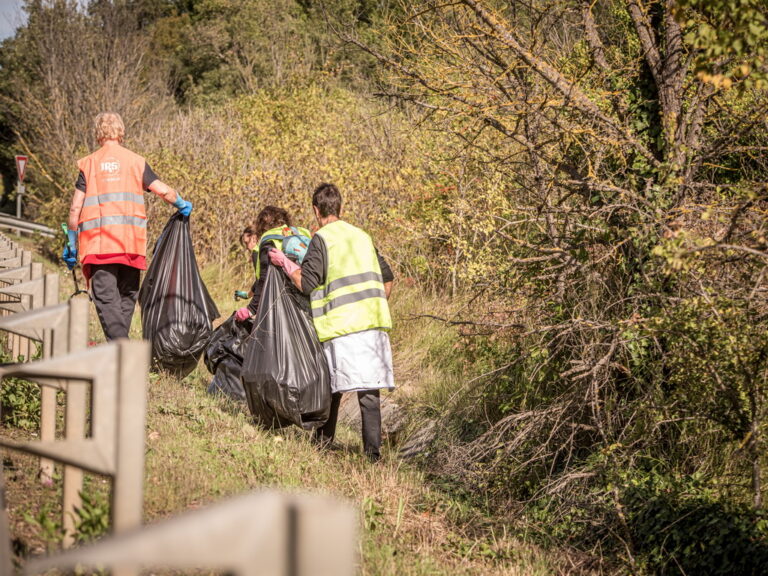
x,y
352,298
113,219
275,235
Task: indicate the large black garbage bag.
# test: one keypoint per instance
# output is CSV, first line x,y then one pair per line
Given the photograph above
x,y
176,309
285,374
224,357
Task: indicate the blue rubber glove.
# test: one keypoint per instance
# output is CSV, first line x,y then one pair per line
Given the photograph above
x,y
185,208
70,250
241,295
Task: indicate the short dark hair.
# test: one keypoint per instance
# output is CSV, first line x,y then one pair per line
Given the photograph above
x,y
271,217
327,198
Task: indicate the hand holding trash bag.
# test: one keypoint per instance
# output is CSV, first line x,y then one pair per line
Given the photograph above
x,y
242,314
184,206
278,258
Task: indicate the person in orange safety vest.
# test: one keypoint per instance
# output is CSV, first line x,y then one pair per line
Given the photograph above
x,y
107,225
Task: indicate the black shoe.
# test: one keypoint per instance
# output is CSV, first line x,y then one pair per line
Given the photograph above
x,y
373,457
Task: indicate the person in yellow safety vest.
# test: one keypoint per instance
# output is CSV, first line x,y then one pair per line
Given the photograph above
x,y
249,240
107,225
348,283
272,225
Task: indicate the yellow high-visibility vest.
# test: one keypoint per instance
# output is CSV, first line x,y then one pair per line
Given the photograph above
x,y
352,298
276,235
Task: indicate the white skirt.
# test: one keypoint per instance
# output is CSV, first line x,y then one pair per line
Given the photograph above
x,y
360,361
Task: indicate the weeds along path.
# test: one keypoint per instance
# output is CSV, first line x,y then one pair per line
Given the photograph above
x,y
201,448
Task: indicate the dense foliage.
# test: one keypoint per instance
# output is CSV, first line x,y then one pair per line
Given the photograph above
x,y
588,176
608,202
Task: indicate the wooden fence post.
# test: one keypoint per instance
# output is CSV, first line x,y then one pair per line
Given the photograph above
x,y
74,417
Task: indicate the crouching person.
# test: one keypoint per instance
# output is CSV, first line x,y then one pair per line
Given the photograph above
x,y
348,283
273,225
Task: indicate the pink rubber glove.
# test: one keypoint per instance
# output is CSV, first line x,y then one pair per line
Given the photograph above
x,y
278,258
242,314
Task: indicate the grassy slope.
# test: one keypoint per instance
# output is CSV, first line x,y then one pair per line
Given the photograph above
x,y
202,448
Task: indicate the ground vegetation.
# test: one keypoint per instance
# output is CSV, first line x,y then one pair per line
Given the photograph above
x,y
576,189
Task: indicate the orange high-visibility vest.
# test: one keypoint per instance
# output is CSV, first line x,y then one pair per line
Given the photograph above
x,y
113,219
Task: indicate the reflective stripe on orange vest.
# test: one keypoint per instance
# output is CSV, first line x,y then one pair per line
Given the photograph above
x,y
113,197
113,221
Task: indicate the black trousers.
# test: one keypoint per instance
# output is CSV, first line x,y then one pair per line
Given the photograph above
x,y
370,415
114,289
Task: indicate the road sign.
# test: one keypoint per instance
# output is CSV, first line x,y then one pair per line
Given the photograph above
x,y
21,166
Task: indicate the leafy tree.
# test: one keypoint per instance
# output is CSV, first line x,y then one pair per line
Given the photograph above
x,y
65,66
620,150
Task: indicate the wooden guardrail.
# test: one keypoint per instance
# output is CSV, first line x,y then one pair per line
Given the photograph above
x,y
264,534
26,291
257,534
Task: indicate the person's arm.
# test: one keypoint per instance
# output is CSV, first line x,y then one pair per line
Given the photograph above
x,y
258,286
254,263
313,267
387,276
253,305
69,254
165,192
312,270
152,183
78,199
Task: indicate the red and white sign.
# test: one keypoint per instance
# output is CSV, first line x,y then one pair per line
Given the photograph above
x,y
21,166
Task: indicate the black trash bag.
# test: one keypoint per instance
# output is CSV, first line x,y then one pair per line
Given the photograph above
x,y
285,374
224,357
176,309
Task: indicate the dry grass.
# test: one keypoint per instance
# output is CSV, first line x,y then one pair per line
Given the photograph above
x,y
201,449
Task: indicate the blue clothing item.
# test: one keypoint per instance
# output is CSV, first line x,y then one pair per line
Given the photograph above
x,y
70,257
185,208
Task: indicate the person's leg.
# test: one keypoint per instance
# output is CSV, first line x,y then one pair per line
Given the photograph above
x,y
106,298
128,287
370,416
327,431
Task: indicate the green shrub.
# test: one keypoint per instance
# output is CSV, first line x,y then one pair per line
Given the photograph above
x,y
680,527
92,516
20,402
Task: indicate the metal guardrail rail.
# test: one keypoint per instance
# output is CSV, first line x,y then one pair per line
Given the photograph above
x,y
9,222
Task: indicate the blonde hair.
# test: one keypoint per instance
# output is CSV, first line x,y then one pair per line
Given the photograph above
x,y
108,126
